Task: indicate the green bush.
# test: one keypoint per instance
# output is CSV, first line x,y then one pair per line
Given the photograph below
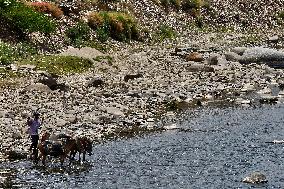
x,y
171,3
25,18
165,32
119,26
281,15
59,64
79,33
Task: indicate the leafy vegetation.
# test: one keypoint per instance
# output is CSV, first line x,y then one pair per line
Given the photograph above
x,y
24,17
281,15
79,33
165,32
119,26
59,65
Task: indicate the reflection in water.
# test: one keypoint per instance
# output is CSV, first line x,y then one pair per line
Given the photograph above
x,y
216,148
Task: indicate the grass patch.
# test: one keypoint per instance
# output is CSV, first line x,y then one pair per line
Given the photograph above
x,y
10,53
59,65
117,25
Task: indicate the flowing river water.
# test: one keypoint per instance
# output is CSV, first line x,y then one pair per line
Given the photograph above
x,y
216,148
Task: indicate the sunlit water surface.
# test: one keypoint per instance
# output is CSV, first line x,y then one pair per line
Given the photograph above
x,y
218,148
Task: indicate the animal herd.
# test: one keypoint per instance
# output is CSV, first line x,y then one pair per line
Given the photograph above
x,y
63,146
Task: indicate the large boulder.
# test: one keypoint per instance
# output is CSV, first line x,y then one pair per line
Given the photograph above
x,y
255,178
271,57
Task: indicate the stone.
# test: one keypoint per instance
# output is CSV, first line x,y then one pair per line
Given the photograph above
x,y
16,135
212,60
271,57
232,56
114,111
239,50
16,154
195,56
255,178
199,68
273,39
37,87
95,82
132,76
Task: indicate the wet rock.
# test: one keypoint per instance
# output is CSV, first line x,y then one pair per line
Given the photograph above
x,y
255,178
16,154
268,100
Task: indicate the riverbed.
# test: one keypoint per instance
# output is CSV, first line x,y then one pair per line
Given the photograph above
x,y
211,148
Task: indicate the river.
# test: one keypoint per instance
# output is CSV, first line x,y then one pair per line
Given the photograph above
x,y
216,148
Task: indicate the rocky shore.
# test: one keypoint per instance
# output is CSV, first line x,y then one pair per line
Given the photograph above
x,y
130,90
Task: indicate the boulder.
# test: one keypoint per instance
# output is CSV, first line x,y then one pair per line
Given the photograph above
x,y
271,57
255,178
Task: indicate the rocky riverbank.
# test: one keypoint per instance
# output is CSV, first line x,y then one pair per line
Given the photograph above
x,y
131,90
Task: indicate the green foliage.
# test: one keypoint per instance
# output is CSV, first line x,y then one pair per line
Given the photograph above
x,y
119,26
25,18
281,15
79,33
165,32
171,3
59,64
10,53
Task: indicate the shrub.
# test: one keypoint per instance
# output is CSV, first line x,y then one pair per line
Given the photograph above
x,y
171,3
165,32
59,64
25,18
119,26
79,33
194,6
45,7
281,15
